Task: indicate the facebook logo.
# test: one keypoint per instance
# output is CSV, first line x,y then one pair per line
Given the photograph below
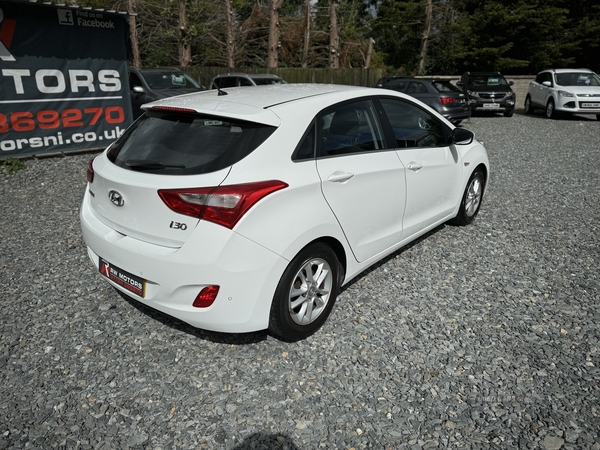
x,y
65,17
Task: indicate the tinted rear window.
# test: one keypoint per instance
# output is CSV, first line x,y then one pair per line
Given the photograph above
x,y
445,86
186,144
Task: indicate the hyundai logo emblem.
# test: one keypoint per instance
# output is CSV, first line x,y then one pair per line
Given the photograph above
x,y
116,198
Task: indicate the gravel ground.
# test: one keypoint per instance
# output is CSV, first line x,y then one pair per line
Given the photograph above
x,y
479,337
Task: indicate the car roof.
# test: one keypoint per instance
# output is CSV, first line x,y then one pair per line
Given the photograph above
x,y
250,75
155,69
484,73
259,103
567,70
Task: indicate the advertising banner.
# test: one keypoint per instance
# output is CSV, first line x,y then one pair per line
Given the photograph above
x,y
63,78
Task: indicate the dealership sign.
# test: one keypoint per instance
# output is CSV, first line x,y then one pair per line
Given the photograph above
x,y
63,78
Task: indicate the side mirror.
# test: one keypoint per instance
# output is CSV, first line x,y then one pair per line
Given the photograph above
x,y
511,83
460,83
461,136
547,83
138,89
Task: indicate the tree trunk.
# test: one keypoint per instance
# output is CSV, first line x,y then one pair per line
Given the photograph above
x,y
369,53
426,31
230,41
334,38
274,33
135,46
306,33
185,49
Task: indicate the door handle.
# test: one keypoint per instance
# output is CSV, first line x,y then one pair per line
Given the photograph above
x,y
340,177
415,167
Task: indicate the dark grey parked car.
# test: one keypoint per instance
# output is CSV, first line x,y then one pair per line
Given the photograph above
x,y
441,95
147,85
226,80
488,91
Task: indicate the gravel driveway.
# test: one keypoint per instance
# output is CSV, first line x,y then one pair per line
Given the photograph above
x,y
479,337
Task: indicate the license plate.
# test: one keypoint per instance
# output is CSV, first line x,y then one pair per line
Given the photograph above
x,y
590,105
124,279
491,105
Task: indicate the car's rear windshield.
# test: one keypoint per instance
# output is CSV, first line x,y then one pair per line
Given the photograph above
x,y
445,86
577,79
170,143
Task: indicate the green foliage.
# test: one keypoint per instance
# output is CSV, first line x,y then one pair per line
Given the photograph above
x,y
11,165
513,36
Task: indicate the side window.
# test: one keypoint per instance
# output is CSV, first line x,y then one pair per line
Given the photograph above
x,y
245,82
416,88
350,128
227,82
306,149
413,127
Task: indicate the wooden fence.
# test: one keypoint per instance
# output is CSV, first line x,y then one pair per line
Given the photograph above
x,y
352,77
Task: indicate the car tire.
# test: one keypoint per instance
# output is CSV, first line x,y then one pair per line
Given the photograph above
x,y
471,199
509,113
597,116
527,108
550,111
306,293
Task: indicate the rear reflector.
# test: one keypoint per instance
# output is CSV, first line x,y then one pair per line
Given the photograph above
x,y
447,100
90,170
173,109
223,205
206,297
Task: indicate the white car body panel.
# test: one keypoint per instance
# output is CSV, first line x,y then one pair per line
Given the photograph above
x,y
367,194
379,209
431,194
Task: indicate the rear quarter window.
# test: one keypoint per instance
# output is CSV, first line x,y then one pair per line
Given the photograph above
x,y
186,144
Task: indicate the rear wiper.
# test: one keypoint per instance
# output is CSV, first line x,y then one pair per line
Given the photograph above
x,y
151,165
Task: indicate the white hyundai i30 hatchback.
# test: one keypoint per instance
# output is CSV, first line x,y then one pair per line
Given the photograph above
x,y
244,209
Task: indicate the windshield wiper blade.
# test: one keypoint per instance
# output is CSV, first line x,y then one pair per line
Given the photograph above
x,y
151,165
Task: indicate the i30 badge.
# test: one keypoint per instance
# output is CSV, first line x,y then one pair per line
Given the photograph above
x,y
116,198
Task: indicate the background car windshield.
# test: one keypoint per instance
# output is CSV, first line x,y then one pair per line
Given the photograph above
x,y
488,80
170,80
577,79
186,144
445,86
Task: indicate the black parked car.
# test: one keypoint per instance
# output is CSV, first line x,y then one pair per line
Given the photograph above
x,y
440,95
147,85
488,91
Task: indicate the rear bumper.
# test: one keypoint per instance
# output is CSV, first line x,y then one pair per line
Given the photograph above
x,y
246,273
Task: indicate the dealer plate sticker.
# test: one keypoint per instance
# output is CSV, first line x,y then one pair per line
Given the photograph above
x,y
590,105
124,279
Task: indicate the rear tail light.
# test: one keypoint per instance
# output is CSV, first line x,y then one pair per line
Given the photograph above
x,y
223,205
90,170
206,297
446,100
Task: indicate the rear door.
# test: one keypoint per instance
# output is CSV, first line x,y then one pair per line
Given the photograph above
x,y
362,180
